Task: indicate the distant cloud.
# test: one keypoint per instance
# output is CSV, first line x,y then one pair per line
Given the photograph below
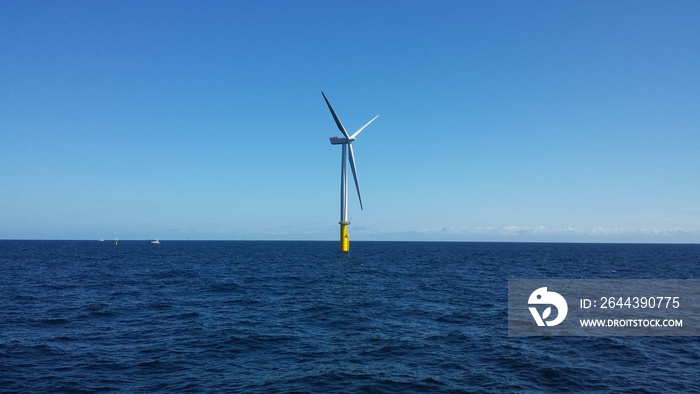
x,y
544,234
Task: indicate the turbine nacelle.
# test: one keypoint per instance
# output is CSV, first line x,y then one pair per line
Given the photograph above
x,y
338,140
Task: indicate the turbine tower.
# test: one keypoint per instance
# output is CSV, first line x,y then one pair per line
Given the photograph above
x,y
346,142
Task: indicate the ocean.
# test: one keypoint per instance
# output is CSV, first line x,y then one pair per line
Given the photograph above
x,y
279,317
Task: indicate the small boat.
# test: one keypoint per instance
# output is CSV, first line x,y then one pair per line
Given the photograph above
x,y
154,241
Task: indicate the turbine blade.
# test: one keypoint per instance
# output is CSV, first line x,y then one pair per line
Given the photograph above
x,y
363,127
354,174
337,121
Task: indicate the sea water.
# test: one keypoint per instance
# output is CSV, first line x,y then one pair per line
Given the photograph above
x,y
79,316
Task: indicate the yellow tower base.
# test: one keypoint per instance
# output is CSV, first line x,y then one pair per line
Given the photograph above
x,y
344,237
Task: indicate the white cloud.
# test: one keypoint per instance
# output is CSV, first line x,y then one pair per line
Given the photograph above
x,y
541,234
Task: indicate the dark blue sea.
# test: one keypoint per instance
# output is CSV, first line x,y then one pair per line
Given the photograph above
x,y
278,317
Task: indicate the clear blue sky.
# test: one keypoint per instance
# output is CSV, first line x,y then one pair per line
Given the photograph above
x,y
499,120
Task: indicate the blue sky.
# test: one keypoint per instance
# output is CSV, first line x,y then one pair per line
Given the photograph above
x,y
499,120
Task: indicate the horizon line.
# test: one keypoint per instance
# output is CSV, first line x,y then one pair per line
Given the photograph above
x,y
362,241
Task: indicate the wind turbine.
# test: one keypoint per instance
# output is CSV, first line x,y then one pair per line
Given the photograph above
x,y
346,141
